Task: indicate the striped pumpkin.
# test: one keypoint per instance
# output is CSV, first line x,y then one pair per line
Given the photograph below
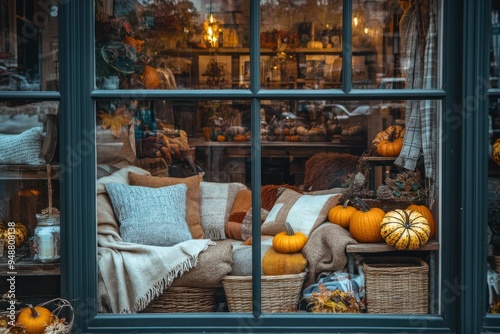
x,y
495,152
20,234
405,229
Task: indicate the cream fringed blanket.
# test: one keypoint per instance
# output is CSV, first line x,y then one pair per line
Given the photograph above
x,y
131,275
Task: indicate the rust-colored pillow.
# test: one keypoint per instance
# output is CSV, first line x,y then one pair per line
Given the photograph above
x,y
192,196
242,204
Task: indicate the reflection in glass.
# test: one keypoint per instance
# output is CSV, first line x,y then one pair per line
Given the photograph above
x,y
28,46
494,205
167,144
170,44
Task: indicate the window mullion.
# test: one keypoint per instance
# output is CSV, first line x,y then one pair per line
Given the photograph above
x,y
255,154
347,46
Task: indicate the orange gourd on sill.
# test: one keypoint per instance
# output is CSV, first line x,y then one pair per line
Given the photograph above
x,y
405,229
20,234
289,241
341,214
365,223
34,319
427,213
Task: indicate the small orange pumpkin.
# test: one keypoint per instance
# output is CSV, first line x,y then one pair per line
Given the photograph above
x,y
150,78
390,148
365,223
289,241
20,233
427,213
34,319
341,214
221,138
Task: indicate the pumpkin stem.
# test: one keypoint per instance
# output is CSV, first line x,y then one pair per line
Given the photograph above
x,y
391,136
34,312
289,229
345,203
362,203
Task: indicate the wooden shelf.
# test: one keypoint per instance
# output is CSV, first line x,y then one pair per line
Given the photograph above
x,y
26,266
431,245
24,172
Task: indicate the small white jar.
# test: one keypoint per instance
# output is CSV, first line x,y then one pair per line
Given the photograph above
x,y
46,239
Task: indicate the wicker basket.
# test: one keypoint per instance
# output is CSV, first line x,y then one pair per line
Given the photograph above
x,y
279,293
184,299
396,285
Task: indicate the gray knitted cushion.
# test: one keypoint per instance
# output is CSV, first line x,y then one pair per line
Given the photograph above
x,y
150,216
23,148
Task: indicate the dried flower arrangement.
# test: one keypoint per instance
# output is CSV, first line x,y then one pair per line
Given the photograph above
x,y
334,301
406,186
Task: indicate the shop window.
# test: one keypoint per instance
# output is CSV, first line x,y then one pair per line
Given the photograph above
x,y
28,46
185,166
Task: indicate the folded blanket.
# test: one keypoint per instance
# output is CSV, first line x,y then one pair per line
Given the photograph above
x,y
131,275
325,250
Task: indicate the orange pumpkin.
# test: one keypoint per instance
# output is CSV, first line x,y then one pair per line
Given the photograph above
x,y
365,223
390,148
424,211
221,138
35,319
150,78
341,214
289,241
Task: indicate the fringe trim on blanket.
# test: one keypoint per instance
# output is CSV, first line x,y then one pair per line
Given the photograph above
x,y
166,281
215,234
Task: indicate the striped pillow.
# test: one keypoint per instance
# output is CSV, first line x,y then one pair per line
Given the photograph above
x,y
216,202
303,212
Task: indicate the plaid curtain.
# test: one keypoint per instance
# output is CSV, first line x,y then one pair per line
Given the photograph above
x,y
419,64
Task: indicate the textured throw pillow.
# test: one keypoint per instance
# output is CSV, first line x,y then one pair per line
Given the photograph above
x,y
239,225
303,212
216,202
22,149
150,216
192,195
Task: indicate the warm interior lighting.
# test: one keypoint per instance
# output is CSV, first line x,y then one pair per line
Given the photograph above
x,y
355,21
212,30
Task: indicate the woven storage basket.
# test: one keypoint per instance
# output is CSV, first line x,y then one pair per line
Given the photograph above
x,y
396,285
280,293
184,299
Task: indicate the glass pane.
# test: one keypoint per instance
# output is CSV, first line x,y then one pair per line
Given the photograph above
x,y
30,200
406,39
28,46
171,145
320,154
494,206
168,44
301,44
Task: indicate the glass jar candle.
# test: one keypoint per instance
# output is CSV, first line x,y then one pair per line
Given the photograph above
x,y
46,238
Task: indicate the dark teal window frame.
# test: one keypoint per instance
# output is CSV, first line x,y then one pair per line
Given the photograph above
x,y
78,174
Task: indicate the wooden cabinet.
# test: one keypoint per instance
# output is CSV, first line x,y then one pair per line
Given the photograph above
x,y
26,189
298,68
229,161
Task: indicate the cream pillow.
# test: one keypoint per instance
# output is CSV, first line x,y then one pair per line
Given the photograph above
x,y
303,212
22,149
